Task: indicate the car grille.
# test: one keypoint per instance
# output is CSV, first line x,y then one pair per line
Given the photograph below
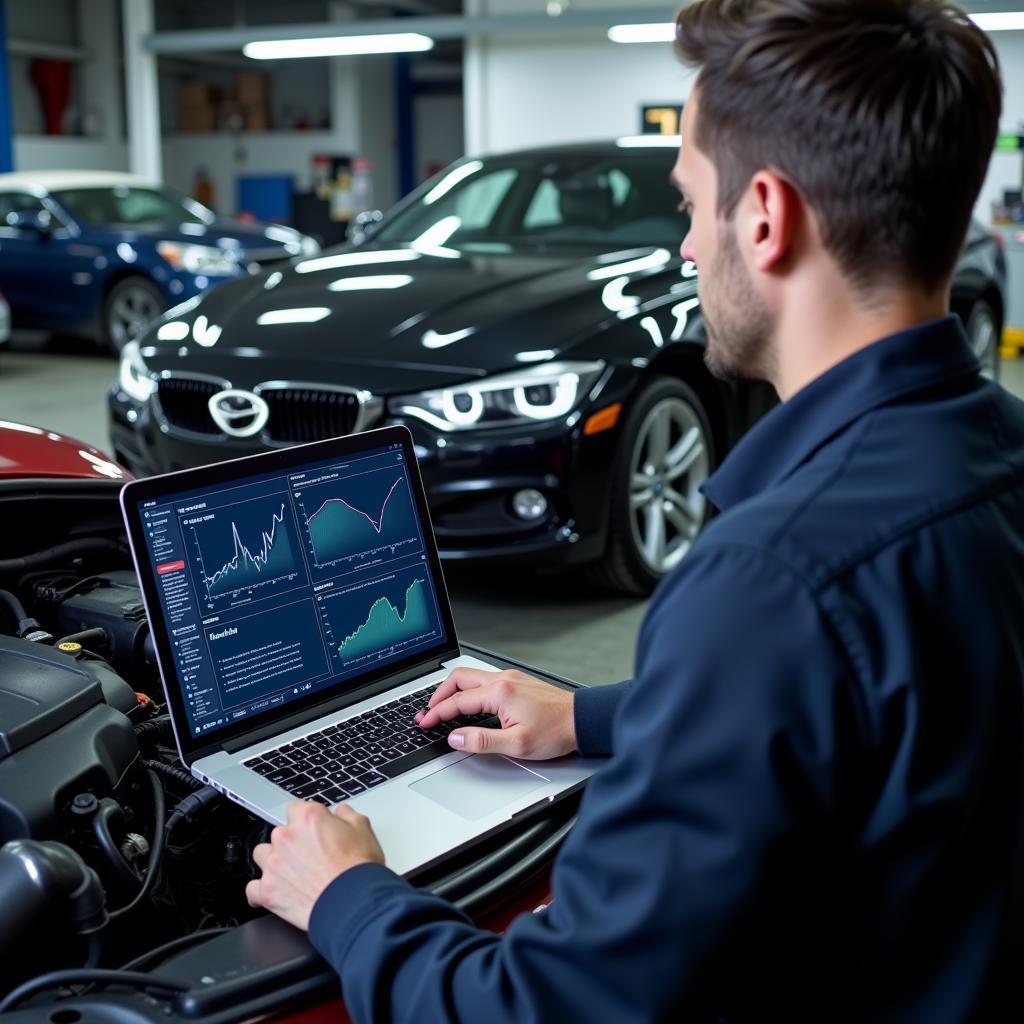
x,y
185,403
298,415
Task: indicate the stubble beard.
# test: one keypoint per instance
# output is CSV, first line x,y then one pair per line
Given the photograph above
x,y
736,318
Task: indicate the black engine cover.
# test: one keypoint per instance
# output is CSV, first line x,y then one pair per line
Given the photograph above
x,y
58,737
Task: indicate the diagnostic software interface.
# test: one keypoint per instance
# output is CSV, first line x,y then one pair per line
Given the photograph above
x,y
291,582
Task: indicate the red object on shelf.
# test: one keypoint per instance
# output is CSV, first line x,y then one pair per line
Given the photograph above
x,y
52,79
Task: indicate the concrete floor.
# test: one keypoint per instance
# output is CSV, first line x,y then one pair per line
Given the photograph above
x,y
549,621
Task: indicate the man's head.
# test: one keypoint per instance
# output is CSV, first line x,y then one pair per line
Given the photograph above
x,y
825,135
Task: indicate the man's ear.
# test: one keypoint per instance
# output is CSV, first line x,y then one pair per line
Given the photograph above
x,y
772,211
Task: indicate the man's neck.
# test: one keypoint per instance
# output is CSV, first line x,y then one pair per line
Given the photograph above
x,y
831,324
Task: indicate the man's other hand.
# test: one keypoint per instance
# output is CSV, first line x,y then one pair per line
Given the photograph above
x,y
306,855
536,718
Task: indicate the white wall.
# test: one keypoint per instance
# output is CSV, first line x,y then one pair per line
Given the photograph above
x,y
43,152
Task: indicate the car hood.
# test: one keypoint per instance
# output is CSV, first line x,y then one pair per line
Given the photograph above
x,y
226,234
389,319
27,451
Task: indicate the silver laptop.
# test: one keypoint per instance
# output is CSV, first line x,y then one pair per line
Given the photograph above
x,y
300,619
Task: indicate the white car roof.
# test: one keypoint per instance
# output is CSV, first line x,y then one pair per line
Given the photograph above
x,y
54,181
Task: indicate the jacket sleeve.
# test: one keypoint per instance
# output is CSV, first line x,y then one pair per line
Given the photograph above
x,y
594,710
723,780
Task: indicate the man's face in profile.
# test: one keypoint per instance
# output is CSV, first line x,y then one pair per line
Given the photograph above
x,y
736,318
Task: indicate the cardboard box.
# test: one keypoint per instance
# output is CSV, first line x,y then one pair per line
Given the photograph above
x,y
253,88
195,94
257,118
197,118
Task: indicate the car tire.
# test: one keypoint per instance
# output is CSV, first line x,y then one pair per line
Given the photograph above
x,y
666,440
983,333
128,309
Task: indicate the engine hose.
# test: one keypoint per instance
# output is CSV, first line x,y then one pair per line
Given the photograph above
x,y
85,637
85,546
172,773
156,849
16,607
109,810
26,627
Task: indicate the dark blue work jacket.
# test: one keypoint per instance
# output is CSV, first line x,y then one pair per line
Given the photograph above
x,y
814,807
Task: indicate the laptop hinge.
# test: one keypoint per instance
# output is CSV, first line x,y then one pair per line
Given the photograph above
x,y
282,725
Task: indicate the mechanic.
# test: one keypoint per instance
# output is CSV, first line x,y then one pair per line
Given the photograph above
x,y
813,807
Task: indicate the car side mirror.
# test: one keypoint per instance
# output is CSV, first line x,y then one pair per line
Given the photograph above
x,y
37,221
363,225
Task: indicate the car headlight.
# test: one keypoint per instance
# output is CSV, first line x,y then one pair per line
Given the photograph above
x,y
542,392
134,376
199,259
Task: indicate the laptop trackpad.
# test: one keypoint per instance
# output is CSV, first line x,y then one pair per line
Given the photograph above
x,y
477,786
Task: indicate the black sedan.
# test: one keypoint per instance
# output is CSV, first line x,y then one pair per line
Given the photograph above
x,y
529,318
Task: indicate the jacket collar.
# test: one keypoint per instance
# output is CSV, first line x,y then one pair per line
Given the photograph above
x,y
912,360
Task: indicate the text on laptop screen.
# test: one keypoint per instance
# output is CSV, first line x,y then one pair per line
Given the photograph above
x,y
291,582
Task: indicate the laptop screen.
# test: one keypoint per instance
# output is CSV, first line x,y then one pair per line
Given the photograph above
x,y
276,585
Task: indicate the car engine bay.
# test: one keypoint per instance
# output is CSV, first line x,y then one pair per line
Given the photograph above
x,y
104,835
113,857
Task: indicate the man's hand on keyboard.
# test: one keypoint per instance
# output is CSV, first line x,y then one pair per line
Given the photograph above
x,y
536,718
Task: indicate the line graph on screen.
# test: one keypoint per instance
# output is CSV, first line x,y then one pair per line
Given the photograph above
x,y
360,520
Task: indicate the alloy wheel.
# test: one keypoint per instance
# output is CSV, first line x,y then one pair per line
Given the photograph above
x,y
131,311
669,462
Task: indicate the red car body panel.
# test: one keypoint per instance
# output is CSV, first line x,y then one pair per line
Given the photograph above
x,y
27,451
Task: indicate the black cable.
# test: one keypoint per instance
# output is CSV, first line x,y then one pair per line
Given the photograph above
x,y
92,582
194,805
174,946
85,546
171,772
155,729
156,848
85,976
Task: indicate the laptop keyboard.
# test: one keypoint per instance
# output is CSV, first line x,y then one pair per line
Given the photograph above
x,y
346,759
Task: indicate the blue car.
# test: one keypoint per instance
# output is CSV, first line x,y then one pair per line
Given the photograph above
x,y
104,254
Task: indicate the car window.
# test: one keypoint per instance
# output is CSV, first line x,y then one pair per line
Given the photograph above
x,y
128,205
572,198
18,202
476,204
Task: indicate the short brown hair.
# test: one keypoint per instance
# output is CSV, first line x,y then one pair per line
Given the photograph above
x,y
881,113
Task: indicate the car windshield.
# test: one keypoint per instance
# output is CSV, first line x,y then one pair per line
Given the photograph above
x,y
129,204
621,199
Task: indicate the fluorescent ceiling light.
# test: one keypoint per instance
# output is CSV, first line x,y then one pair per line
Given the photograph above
x,y
664,33
1006,21
338,46
645,141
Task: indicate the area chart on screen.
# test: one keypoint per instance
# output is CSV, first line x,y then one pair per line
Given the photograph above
x,y
242,548
360,520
